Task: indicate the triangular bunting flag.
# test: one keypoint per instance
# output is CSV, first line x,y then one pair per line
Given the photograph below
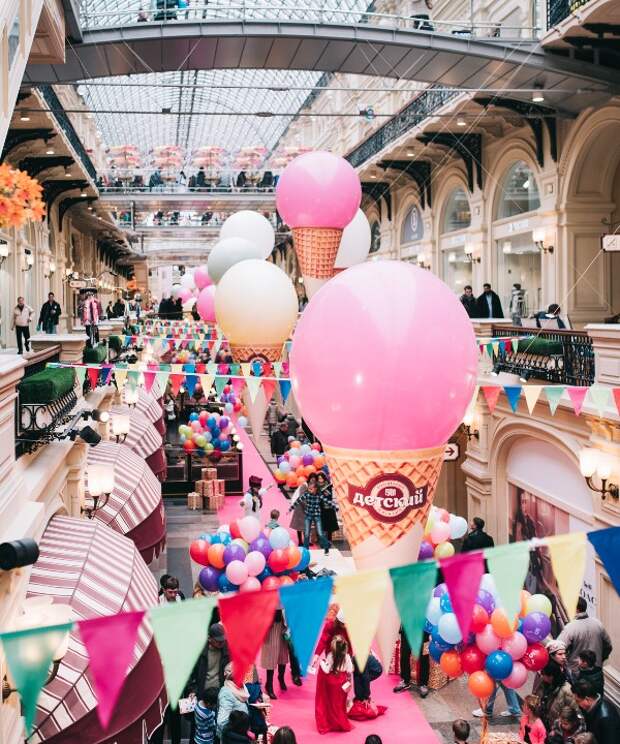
x,y
235,369
509,564
568,560
238,613
206,382
411,584
513,393
361,598
599,397
181,630
495,348
462,574
176,368
93,376
269,387
246,369
212,368
489,348
110,641
607,545
162,381
133,378
491,395
120,375
616,394
253,384
220,384
531,394
190,384
29,654
577,396
277,369
554,393
285,389
80,373
176,380
238,385
305,605
149,379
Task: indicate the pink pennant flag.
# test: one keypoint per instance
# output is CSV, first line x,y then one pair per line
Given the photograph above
x,y
238,384
269,387
491,395
616,394
462,574
93,376
110,642
577,396
149,379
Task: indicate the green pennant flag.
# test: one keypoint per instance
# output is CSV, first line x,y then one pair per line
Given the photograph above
x,y
553,393
133,377
29,655
490,350
599,397
220,384
80,373
508,564
277,369
235,370
413,588
212,368
181,630
162,381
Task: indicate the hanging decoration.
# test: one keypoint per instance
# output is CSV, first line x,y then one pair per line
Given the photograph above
x,y
20,198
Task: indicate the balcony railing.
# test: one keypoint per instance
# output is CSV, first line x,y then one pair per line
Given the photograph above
x,y
558,10
564,357
179,188
52,100
415,113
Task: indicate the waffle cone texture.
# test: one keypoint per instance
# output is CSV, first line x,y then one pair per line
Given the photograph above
x,y
248,353
316,249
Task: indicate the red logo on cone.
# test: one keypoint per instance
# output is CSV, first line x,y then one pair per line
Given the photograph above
x,y
388,497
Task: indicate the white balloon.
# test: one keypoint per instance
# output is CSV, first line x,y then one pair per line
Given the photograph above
x,y
189,304
187,280
251,226
256,303
458,527
176,289
227,253
488,584
355,242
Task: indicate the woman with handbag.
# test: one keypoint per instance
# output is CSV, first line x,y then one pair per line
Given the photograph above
x,y
274,653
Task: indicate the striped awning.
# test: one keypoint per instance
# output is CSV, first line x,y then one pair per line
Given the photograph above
x,y
152,409
98,572
135,508
143,437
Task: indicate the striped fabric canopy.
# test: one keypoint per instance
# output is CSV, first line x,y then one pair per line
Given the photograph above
x,y
135,508
143,437
149,406
98,572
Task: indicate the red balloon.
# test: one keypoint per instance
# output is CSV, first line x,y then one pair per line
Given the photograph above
x,y
189,446
198,552
294,556
472,659
286,581
294,575
271,582
278,559
235,532
215,455
535,658
479,618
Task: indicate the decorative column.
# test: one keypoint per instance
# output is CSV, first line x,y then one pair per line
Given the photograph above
x,y
76,475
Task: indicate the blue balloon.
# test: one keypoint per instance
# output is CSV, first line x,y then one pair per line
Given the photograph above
x,y
215,539
211,422
264,574
439,642
225,585
305,560
225,445
205,537
225,538
499,664
444,603
435,652
193,416
428,627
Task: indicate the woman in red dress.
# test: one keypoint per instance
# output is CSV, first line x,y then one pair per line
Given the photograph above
x,y
332,687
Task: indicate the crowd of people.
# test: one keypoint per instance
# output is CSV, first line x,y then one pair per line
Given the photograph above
x,y
199,181
489,305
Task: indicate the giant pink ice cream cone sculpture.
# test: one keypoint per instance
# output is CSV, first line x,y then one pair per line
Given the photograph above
x,y
394,376
318,195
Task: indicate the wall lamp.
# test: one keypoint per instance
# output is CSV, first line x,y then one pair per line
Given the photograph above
x,y
469,425
538,236
87,434
18,553
421,259
4,252
120,426
100,484
131,396
595,462
97,415
29,261
471,254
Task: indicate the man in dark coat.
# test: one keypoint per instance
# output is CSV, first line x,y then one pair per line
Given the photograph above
x,y
489,305
469,302
279,439
588,670
477,539
50,314
602,719
213,659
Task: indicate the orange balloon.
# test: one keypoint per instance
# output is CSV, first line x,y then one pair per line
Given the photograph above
x,y
309,469
319,462
295,444
525,595
301,480
294,556
280,476
215,554
450,662
291,480
480,684
299,470
501,625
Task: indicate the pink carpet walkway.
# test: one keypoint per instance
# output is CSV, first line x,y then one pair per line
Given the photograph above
x,y
403,721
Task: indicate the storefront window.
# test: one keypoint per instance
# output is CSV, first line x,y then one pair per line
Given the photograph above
x,y
519,192
13,40
456,269
375,237
457,214
520,264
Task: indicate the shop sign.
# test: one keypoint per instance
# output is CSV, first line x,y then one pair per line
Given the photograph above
x,y
413,226
451,452
78,283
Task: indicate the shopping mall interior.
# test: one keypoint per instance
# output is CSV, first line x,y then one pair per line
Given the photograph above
x,y
310,364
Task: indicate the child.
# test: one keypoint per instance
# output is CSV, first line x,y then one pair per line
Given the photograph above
x,y
532,729
587,669
273,523
204,717
332,687
460,729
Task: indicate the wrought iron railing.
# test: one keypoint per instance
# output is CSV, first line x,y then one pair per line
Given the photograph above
x,y
415,113
37,422
178,188
558,10
564,357
56,107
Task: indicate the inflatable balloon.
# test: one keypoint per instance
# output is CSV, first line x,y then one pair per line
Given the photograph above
x,y
536,627
208,578
444,550
498,664
236,572
479,620
472,659
458,527
448,627
201,277
516,645
440,532
205,304
487,641
426,551
450,662
233,552
279,538
249,527
278,560
517,678
229,252
480,684
535,658
251,584
216,555
433,611
255,562
354,243
271,583
538,603
252,227
502,627
198,551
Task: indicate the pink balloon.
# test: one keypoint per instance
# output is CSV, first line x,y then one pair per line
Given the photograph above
x,y
202,278
251,584
440,532
255,562
516,645
249,527
487,641
398,361
205,305
517,677
185,294
295,461
236,572
318,189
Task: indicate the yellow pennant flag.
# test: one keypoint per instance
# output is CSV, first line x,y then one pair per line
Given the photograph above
x,y
361,597
177,369
568,559
120,375
246,369
532,394
207,383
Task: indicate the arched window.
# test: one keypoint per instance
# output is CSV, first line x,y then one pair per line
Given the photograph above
x,y
375,237
457,214
519,192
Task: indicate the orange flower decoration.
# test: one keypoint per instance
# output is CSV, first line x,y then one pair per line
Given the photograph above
x,y
20,198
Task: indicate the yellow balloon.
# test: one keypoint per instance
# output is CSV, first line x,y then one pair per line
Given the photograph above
x,y
444,550
429,525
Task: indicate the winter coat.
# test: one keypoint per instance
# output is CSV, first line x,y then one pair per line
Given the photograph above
x,y
585,633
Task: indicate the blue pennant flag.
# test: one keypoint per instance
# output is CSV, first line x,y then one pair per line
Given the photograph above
x,y
127,340
190,384
607,545
191,368
285,389
513,393
305,606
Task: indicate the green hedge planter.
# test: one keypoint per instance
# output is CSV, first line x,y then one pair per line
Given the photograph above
x,y
94,356
47,385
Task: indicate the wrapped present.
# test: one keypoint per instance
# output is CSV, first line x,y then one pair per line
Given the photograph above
x,y
436,677
208,488
194,500
208,473
220,486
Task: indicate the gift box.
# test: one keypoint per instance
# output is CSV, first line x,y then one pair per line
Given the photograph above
x,y
220,486
194,500
208,473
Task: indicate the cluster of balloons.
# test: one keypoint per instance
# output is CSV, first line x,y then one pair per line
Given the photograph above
x,y
209,434
298,462
497,649
244,235
243,557
229,399
440,529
